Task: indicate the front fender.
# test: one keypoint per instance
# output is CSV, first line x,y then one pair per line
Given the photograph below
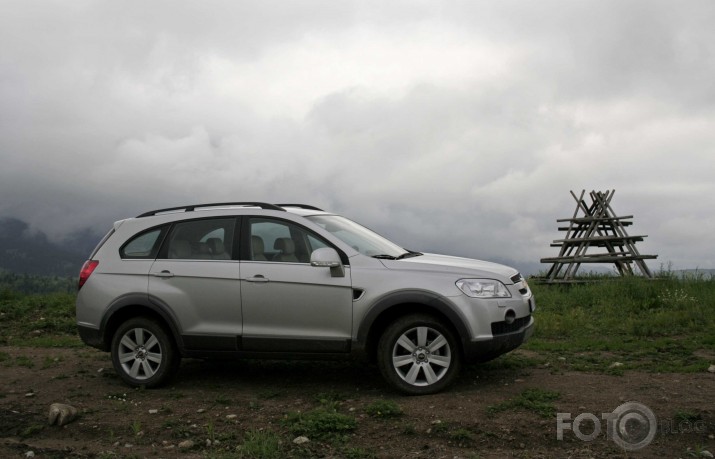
x,y
423,300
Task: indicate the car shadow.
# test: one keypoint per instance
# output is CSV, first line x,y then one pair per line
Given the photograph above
x,y
267,375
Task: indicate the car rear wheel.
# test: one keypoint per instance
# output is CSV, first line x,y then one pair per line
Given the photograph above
x,y
418,354
143,354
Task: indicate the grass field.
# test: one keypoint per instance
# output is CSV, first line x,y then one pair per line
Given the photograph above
x,y
664,325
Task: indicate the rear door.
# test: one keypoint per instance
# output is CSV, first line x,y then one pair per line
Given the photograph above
x,y
289,305
196,277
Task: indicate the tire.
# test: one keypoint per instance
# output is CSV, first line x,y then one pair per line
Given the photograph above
x,y
143,353
419,355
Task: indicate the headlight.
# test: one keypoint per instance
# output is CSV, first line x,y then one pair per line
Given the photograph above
x,y
483,288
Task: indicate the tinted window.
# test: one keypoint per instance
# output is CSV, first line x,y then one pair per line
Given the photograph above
x,y
281,241
206,239
144,245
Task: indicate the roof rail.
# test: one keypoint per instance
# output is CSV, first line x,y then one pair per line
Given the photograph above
x,y
301,206
192,207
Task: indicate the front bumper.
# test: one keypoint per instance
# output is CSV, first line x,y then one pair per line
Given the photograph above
x,y
501,343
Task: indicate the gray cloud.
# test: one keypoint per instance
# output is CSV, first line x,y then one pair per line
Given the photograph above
x,y
458,127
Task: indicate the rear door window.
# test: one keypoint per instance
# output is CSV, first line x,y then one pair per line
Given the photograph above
x,y
205,239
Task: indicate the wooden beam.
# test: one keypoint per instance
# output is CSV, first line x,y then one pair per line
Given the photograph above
x,y
601,226
602,238
592,219
600,258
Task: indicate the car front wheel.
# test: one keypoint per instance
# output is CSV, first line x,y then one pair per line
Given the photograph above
x,y
418,354
143,354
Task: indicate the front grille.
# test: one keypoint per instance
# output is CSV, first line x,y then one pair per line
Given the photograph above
x,y
501,328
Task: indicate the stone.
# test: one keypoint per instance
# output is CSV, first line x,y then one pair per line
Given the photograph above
x,y
301,440
711,368
61,414
186,444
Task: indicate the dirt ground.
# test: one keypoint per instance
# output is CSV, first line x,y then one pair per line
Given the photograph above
x,y
225,400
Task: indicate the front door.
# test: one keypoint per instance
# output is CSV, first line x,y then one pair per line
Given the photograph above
x,y
289,305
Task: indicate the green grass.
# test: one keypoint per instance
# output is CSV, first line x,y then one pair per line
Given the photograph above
x,y
651,325
461,436
43,320
535,400
23,361
383,409
441,427
259,444
687,416
31,430
320,424
330,401
136,427
330,397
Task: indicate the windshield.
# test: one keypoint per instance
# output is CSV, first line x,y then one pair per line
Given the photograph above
x,y
365,241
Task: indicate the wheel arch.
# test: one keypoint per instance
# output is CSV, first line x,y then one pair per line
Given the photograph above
x,y
390,308
129,306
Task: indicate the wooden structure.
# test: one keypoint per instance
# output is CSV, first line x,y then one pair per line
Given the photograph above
x,y
595,226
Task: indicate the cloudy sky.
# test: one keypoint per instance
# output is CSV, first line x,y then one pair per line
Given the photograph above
x,y
455,126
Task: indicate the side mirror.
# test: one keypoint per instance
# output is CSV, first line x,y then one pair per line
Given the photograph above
x,y
328,258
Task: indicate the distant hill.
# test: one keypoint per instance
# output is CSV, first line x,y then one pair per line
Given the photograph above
x,y
31,252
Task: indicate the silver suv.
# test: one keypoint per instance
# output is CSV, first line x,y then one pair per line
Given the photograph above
x,y
257,280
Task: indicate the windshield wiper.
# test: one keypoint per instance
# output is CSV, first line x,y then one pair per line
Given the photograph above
x,y
408,254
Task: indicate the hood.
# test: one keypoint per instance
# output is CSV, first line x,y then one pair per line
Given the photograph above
x,y
465,267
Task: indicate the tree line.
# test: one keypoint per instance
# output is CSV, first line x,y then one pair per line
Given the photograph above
x,y
33,284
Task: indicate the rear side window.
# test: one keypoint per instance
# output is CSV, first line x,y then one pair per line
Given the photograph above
x,y
144,245
204,239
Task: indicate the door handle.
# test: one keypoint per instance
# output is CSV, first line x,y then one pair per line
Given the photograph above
x,y
164,274
256,278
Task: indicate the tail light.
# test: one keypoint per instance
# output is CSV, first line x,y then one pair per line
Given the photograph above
x,y
86,271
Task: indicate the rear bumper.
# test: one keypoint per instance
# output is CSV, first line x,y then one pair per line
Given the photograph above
x,y
92,337
482,351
